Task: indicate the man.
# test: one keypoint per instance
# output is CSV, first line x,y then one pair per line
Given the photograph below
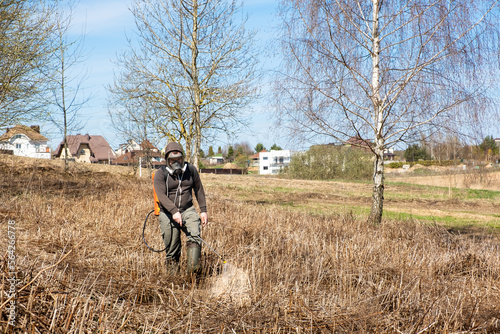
x,y
174,186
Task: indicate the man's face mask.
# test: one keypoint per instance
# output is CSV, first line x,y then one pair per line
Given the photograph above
x,y
176,167
175,163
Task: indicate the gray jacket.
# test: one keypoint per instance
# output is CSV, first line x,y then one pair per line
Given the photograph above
x,y
175,192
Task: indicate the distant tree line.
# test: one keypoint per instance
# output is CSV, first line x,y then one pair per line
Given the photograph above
x,y
238,153
452,149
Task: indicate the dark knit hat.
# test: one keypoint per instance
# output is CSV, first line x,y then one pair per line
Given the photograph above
x,y
171,147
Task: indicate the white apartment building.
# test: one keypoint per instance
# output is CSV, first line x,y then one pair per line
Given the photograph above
x,y
274,161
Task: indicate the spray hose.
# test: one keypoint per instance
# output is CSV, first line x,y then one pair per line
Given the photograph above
x,y
144,238
187,229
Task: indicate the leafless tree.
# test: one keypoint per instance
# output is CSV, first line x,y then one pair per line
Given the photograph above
x,y
134,122
191,66
385,71
153,111
65,98
445,146
26,44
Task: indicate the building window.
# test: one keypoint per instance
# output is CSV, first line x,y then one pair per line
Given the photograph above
x,y
82,152
279,160
18,146
17,136
264,158
266,168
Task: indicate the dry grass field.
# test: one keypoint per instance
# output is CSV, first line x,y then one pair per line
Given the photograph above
x,y
300,257
420,198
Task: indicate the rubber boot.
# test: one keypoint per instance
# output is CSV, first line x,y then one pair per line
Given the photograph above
x,y
193,257
172,266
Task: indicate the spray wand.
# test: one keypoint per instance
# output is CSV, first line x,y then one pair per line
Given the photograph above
x,y
213,250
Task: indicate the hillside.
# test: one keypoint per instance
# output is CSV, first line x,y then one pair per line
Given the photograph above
x,y
82,266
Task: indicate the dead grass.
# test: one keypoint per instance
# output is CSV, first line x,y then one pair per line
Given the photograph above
x,y
82,266
451,177
456,208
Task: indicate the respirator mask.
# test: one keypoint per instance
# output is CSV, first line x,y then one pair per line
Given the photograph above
x,y
176,167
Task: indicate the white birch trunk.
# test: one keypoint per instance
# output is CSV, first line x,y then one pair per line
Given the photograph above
x,y
378,165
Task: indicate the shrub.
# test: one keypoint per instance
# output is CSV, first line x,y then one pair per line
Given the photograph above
x,y
395,165
331,162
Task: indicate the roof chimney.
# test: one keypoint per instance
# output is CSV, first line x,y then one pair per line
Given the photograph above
x,y
35,128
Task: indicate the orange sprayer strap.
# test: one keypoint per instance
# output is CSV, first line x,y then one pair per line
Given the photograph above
x,y
157,202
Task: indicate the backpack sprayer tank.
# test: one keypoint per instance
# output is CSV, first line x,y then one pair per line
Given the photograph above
x,y
157,202
156,212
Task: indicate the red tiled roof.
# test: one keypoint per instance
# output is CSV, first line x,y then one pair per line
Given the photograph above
x,y
133,157
357,141
99,147
146,144
127,158
257,155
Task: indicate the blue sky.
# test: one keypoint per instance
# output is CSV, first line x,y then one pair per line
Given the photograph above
x,y
107,25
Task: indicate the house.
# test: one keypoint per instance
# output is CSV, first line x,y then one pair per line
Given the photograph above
x,y
140,156
216,159
86,148
25,141
274,161
255,159
146,145
497,141
129,146
389,154
127,159
133,154
365,145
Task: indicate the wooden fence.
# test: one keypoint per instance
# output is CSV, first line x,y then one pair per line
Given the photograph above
x,y
222,171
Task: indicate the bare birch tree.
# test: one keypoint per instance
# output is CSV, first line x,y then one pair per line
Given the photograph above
x,y
191,66
26,36
385,71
